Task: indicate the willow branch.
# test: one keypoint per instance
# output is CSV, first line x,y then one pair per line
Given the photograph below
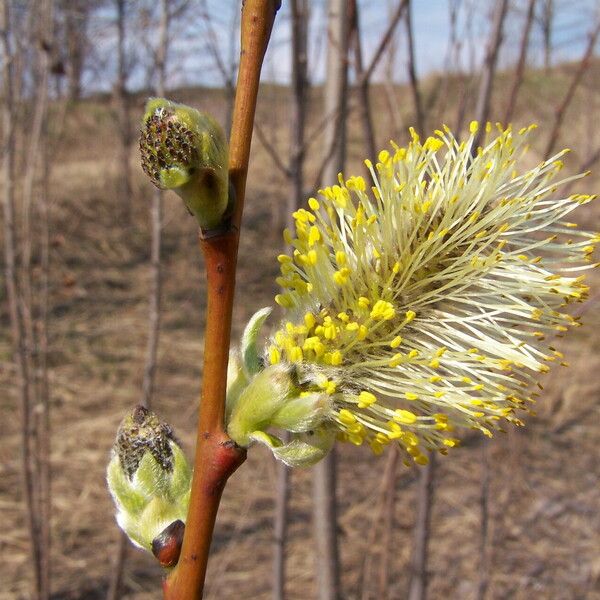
x,y
217,456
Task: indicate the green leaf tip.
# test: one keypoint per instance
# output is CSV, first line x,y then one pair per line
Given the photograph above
x,y
185,150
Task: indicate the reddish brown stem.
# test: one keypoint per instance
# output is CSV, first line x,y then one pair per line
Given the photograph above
x,y
217,456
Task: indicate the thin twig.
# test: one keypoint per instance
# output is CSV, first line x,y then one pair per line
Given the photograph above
x,y
363,89
520,70
272,151
484,505
12,291
561,109
412,72
387,36
388,524
324,473
484,97
154,303
422,532
300,14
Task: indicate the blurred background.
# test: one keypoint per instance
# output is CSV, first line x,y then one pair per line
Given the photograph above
x,y
102,292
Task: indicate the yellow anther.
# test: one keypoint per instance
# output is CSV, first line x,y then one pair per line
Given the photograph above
x,y
314,235
284,300
433,144
406,417
413,354
473,126
274,355
365,399
314,204
410,439
356,183
346,417
382,438
410,315
376,447
295,354
396,342
396,359
328,387
341,276
329,331
309,320
434,363
364,302
352,326
343,317
340,258
362,332
411,396
336,358
383,310
435,379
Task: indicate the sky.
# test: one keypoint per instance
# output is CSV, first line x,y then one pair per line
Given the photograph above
x,y
431,23
193,61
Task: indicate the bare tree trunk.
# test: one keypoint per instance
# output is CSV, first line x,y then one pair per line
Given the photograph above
x,y
482,109
121,98
154,300
412,73
452,65
388,524
46,43
226,69
324,475
484,505
391,101
547,22
156,218
12,292
561,109
422,532
467,74
363,76
520,70
363,84
76,14
280,519
300,14
116,578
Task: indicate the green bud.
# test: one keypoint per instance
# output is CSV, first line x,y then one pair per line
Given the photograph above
x,y
148,477
185,150
272,399
303,450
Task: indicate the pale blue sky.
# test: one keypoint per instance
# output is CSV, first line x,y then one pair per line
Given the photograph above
x,y
192,63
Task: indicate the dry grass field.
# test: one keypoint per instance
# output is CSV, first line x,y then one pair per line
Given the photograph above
x,y
545,479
